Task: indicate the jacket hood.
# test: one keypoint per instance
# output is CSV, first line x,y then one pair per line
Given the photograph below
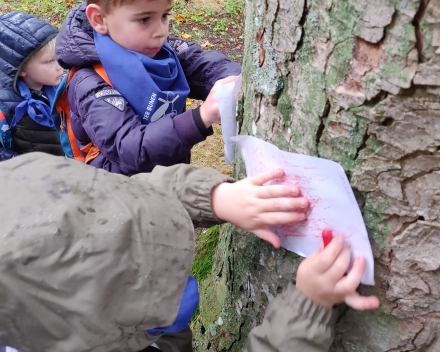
x,y
75,44
21,35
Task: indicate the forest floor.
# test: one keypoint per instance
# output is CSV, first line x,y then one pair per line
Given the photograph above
x,y
213,24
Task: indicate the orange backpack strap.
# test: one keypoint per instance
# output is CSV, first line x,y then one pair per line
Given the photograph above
x,y
90,151
99,69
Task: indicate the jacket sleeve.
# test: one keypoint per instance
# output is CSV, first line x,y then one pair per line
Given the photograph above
x,y
192,185
293,323
118,132
202,68
6,154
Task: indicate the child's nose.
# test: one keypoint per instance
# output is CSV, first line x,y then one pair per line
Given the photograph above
x,y
161,31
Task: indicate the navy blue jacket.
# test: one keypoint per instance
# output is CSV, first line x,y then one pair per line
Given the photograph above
x,y
22,35
126,145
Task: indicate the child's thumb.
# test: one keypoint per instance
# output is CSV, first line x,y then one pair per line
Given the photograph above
x,y
266,234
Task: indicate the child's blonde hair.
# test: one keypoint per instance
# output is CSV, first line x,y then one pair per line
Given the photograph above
x,y
48,48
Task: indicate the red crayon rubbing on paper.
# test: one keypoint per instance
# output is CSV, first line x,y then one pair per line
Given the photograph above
x,y
327,237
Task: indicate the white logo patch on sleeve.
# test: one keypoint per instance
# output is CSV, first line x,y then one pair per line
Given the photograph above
x,y
106,92
182,47
118,103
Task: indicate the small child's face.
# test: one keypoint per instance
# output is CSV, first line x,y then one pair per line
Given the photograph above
x,y
42,70
140,26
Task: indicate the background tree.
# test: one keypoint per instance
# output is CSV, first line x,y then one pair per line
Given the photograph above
x,y
358,82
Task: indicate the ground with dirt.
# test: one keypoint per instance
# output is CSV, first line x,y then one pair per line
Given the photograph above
x,y
216,26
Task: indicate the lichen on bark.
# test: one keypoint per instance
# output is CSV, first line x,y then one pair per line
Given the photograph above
x,y
357,82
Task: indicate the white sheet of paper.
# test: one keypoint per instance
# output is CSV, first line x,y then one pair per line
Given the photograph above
x,y
324,183
227,97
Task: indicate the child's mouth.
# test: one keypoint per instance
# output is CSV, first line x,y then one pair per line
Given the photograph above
x,y
154,50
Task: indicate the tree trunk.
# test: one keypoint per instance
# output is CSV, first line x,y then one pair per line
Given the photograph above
x,y
358,82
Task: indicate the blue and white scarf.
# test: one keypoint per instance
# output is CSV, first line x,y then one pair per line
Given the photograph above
x,y
153,86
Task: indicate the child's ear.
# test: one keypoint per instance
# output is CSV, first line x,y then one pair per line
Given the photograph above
x,y
96,18
22,73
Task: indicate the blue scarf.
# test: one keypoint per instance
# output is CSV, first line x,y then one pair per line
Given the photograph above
x,y
37,110
153,87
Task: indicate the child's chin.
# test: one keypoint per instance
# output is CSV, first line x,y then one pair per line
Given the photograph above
x,y
150,55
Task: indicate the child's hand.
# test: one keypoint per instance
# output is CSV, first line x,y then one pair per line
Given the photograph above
x,y
251,206
209,111
321,277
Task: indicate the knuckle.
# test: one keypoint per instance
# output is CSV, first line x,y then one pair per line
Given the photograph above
x,y
298,216
295,190
325,263
340,290
298,203
285,190
303,270
341,267
346,288
276,205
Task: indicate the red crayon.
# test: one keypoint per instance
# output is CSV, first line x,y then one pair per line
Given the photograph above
x,y
327,237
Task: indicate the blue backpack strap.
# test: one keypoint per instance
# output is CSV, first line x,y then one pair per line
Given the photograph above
x,y
5,132
60,124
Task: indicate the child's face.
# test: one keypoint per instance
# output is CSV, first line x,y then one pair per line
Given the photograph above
x,y
42,70
141,26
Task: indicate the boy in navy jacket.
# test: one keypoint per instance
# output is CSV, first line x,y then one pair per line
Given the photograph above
x,y
128,94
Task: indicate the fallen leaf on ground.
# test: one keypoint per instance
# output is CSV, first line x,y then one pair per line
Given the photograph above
x,y
206,43
186,35
179,18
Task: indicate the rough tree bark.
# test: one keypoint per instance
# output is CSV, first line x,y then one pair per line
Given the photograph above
x,y
358,82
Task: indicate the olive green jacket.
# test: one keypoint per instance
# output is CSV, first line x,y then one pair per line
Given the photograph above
x,y
90,260
293,323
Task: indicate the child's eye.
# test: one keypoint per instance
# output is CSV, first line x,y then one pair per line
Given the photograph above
x,y
165,15
144,20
